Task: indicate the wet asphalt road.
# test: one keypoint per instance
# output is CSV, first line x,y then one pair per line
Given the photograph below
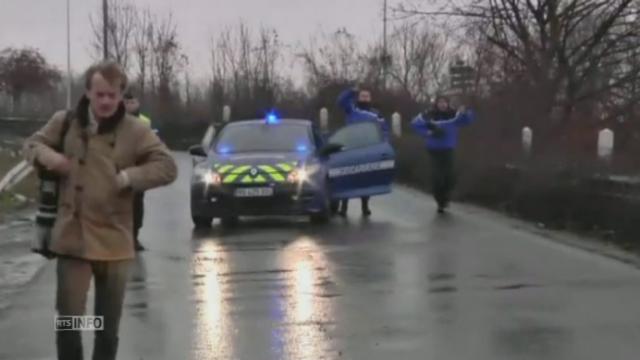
x,y
406,284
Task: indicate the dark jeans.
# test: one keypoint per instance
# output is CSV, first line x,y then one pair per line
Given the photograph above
x,y
74,278
443,175
344,204
138,214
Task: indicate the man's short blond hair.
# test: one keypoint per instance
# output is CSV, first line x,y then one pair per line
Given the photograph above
x,y
110,71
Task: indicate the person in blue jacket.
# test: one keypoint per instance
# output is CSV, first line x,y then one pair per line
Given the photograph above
x,y
356,103
439,127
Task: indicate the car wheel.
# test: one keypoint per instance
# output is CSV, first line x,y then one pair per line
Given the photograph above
x,y
229,221
202,222
319,218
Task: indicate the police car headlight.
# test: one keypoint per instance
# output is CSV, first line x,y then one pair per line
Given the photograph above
x,y
212,178
298,175
302,174
205,175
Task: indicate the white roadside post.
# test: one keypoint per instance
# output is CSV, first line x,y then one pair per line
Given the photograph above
x,y
396,124
226,113
324,119
527,140
208,137
605,145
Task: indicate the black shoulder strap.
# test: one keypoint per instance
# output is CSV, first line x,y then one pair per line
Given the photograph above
x,y
65,129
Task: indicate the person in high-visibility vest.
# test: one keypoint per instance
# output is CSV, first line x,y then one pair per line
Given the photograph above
x,y
132,105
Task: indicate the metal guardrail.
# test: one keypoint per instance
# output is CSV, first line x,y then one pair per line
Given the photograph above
x,y
14,118
19,128
15,176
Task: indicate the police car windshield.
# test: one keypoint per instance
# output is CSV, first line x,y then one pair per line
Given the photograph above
x,y
242,138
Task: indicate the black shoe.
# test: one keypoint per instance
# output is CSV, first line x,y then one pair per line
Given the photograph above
x,y
343,213
139,246
366,212
442,209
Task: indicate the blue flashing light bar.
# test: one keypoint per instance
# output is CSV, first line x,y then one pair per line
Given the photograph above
x,y
272,118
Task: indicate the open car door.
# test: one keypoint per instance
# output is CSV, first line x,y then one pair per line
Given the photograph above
x,y
365,165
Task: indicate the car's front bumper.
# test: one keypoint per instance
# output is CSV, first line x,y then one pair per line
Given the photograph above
x,y
287,199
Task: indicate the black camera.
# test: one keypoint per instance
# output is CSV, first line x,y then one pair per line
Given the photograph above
x,y
49,193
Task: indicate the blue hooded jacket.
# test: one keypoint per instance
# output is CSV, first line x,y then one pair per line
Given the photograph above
x,y
441,134
347,101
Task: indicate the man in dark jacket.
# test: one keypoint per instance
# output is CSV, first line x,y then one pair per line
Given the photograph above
x,y
439,127
132,104
356,104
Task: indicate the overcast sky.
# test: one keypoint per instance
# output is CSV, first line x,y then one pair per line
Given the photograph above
x,y
41,23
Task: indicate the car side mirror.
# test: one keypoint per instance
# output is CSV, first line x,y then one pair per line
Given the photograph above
x,y
330,149
197,150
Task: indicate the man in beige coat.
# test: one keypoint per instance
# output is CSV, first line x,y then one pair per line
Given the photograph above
x,y
107,156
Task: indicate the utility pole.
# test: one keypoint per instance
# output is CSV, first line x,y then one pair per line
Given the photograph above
x,y
69,76
385,52
105,22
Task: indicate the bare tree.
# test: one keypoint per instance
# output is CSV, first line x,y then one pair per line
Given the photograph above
x,y
123,16
245,68
142,48
569,52
229,62
420,58
24,71
337,57
269,53
166,57
184,64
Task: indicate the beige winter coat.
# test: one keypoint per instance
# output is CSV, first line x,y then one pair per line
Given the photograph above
x,y
95,214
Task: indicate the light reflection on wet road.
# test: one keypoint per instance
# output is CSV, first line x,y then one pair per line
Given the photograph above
x,y
406,284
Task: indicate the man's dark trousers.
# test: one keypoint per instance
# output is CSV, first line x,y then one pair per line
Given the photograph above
x,y
443,175
74,278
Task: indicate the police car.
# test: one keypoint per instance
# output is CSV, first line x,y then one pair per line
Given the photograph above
x,y
279,167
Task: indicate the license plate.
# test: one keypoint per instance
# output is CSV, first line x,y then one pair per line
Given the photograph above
x,y
254,192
